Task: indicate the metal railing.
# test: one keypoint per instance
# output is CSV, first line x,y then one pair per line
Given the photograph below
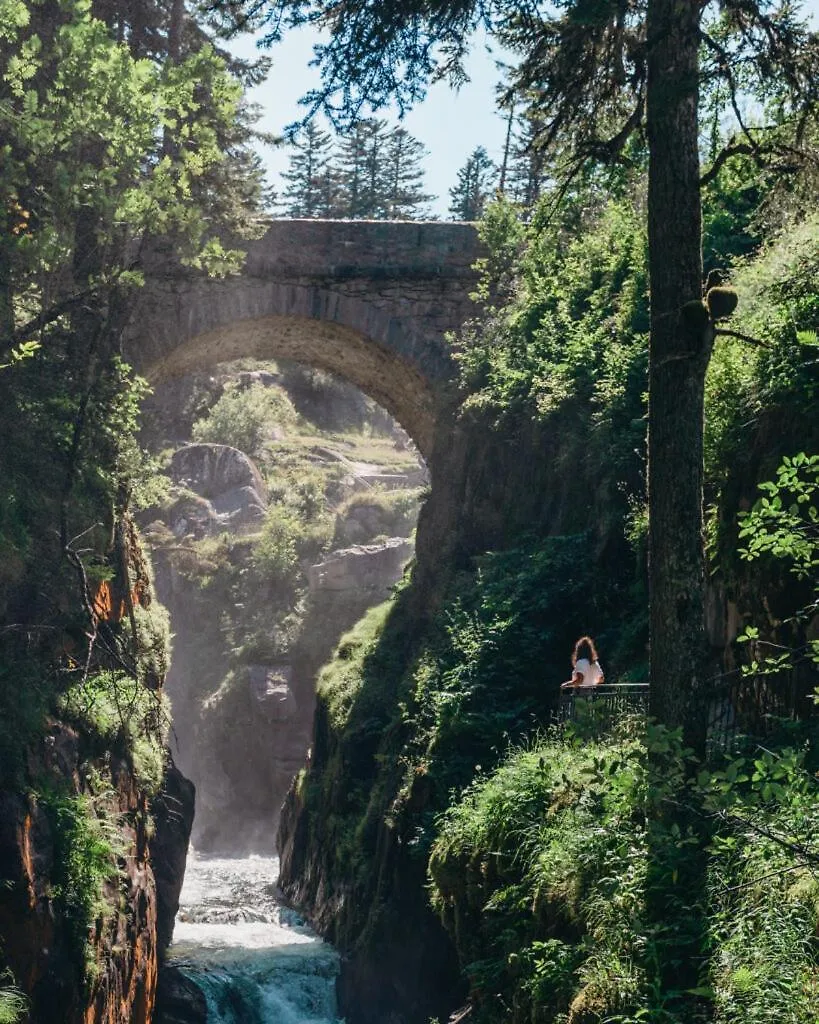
x,y
750,708
740,709
609,701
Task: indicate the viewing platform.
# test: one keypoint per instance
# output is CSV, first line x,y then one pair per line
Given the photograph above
x,y
739,708
610,699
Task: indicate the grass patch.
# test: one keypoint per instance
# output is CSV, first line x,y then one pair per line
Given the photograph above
x,y
342,681
13,1003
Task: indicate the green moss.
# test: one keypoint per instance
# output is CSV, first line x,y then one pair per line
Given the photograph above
x,y
114,710
721,302
346,677
86,847
695,316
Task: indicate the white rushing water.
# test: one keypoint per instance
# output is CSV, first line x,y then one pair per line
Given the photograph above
x,y
253,958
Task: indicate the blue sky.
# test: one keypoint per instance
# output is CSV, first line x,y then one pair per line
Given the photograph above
x,y
450,124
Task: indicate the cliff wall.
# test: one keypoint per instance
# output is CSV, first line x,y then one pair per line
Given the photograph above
x,y
521,547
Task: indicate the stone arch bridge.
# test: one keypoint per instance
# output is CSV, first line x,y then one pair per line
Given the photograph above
x,y
370,301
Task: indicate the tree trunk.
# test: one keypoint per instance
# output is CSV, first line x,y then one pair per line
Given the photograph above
x,y
175,27
6,290
678,361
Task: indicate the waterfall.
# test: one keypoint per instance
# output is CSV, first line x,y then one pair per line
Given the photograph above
x,y
255,960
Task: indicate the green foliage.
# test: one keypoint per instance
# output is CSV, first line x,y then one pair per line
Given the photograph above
x,y
784,522
86,847
246,418
119,712
547,870
375,172
503,235
484,677
13,1003
26,697
276,553
765,392
341,680
784,525
473,188
569,346
89,116
25,350
729,205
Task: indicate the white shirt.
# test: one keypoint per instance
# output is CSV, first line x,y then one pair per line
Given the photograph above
x,y
591,671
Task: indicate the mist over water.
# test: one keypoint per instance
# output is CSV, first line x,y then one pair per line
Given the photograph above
x,y
253,958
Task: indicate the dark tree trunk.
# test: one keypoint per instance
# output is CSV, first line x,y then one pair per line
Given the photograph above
x,y
175,30
506,147
678,360
6,290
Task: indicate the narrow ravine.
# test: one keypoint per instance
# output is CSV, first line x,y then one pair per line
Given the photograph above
x,y
253,958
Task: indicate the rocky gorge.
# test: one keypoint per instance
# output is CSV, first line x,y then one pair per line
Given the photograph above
x,y
257,604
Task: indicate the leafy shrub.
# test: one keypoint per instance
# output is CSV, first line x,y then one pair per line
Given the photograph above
x,y
275,553
245,418
112,708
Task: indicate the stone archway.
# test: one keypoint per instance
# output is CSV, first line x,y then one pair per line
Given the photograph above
x,y
370,301
377,371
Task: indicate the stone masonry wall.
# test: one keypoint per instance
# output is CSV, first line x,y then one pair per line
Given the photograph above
x,y
368,300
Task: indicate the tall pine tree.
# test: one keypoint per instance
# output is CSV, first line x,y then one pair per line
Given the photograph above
x,y
309,177
358,163
405,198
474,186
527,173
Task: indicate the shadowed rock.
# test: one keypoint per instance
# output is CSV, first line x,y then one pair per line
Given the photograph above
x,y
363,567
232,494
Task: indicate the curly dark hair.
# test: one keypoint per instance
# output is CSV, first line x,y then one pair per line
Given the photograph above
x,y
584,646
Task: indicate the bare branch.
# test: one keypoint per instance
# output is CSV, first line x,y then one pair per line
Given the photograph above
x,y
726,333
725,154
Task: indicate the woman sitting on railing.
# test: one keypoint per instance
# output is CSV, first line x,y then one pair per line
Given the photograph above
x,y
586,670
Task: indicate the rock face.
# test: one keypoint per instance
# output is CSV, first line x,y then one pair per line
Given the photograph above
x,y
231,489
270,687
172,810
178,999
37,941
243,741
363,567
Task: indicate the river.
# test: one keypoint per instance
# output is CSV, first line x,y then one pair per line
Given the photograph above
x,y
253,958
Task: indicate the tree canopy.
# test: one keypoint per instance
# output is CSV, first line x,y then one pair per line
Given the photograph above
x,y
371,171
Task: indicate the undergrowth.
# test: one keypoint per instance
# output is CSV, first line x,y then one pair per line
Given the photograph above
x,y
118,712
87,843
549,872
13,1003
